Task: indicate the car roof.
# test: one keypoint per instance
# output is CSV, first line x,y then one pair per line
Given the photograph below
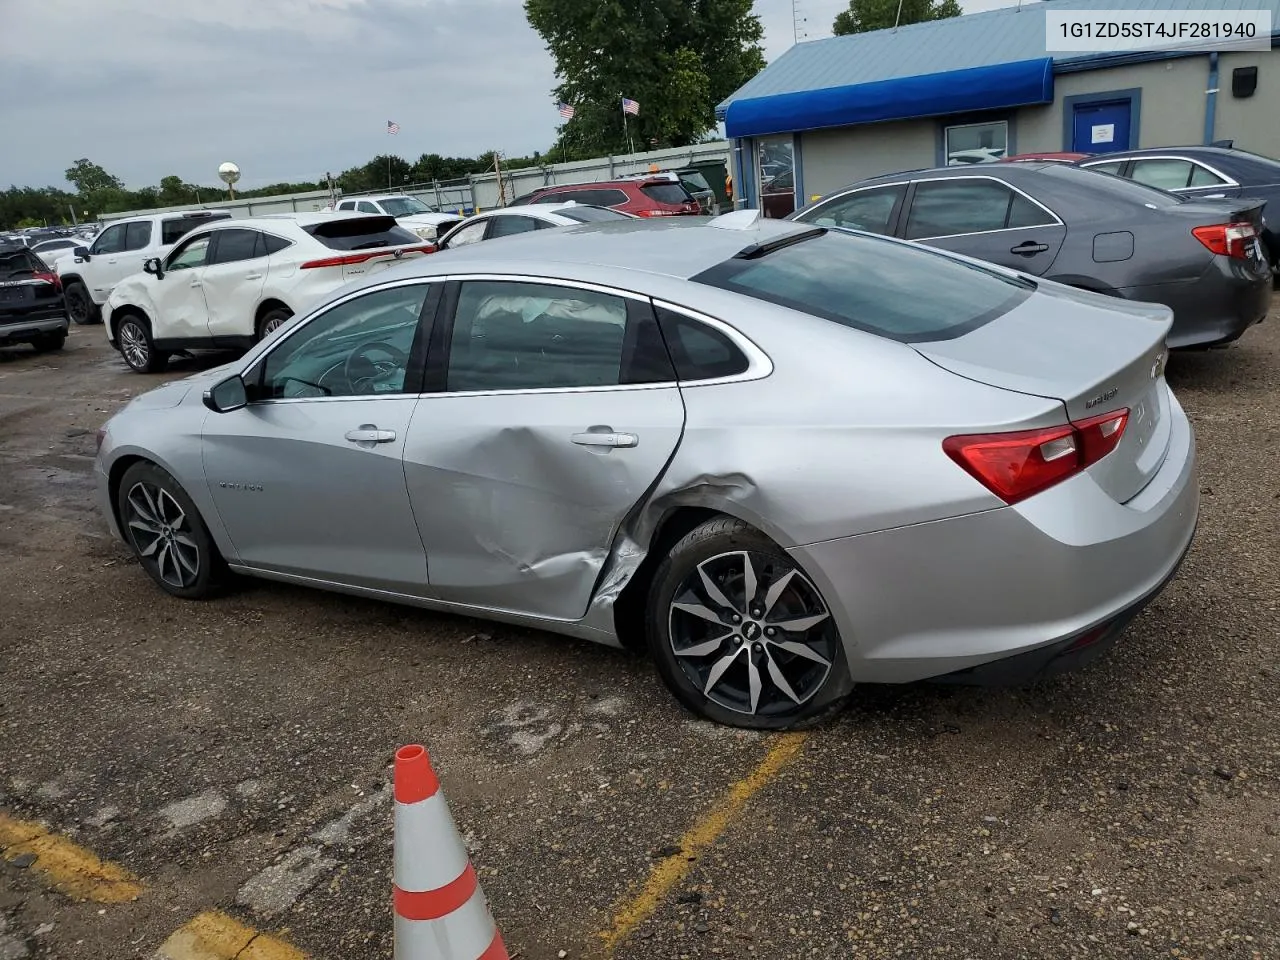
x,y
997,171
302,218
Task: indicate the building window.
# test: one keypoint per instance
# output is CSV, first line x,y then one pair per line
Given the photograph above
x,y
775,159
976,142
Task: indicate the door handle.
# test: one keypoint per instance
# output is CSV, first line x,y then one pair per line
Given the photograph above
x,y
196,283
370,434
254,276
1030,248
593,439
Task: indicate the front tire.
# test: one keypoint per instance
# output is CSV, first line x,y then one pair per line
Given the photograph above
x,y
80,306
167,534
133,334
740,634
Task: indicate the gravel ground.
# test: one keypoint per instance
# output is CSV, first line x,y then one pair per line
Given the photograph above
x,y
234,755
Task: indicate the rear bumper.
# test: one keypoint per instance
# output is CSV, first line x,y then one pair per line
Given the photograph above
x,y
20,330
932,599
1229,298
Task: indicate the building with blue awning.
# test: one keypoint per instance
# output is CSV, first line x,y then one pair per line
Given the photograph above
x,y
976,88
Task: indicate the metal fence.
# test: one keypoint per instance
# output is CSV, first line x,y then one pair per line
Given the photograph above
x,y
475,193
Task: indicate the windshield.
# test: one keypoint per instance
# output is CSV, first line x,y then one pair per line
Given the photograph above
x,y
584,214
666,192
404,206
894,290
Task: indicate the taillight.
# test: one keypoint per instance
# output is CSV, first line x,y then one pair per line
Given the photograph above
x,y
1018,465
362,256
48,278
1227,239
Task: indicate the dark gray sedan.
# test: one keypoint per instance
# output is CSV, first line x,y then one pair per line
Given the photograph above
x,y
1201,257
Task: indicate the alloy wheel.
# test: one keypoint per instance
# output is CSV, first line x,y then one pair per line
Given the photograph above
x,y
272,325
752,633
133,344
163,534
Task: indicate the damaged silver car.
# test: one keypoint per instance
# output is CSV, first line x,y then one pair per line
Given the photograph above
x,y
784,460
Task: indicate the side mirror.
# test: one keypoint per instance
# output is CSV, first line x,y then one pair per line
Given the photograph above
x,y
81,253
226,396
154,267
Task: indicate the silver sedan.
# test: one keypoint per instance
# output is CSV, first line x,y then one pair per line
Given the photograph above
x,y
785,460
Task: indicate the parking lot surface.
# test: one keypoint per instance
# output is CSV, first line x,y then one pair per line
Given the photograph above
x,y
232,757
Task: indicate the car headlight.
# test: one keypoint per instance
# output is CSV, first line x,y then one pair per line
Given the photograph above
x,y
425,233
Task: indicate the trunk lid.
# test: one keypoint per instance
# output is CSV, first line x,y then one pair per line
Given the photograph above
x,y
1094,354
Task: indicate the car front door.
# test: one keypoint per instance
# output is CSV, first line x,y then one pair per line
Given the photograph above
x,y
550,410
178,296
308,478
137,242
984,218
233,281
111,257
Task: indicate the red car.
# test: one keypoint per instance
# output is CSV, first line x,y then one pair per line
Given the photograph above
x,y
649,197
1054,157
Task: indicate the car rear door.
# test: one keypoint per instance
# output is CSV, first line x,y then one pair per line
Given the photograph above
x,y
551,410
233,280
984,217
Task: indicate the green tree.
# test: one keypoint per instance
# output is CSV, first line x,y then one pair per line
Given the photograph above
x,y
677,58
865,15
89,178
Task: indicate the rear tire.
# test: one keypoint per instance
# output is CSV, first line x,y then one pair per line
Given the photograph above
x,y
167,534
51,341
272,320
80,306
741,635
133,334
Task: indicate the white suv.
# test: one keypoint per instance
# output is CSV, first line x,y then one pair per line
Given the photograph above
x,y
89,275
232,283
409,211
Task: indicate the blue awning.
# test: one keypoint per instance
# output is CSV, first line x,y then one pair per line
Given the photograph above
x,y
994,87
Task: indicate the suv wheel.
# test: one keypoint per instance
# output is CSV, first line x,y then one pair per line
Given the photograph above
x,y
136,346
272,320
740,634
80,306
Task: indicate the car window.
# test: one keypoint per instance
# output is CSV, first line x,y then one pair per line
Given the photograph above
x,y
137,235
237,244
506,226
1112,167
943,208
599,198
664,193
190,254
364,206
699,352
1024,213
111,240
275,244
868,210
1204,177
1164,174
588,214
171,231
360,347
471,233
560,197
510,335
361,233
347,205
875,285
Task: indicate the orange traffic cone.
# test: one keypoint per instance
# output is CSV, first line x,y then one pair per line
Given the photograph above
x,y
441,912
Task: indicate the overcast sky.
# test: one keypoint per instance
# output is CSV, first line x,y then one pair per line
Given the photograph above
x,y
288,89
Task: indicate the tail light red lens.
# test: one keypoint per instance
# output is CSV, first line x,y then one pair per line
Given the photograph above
x,y
1227,239
49,278
362,256
659,213
1018,465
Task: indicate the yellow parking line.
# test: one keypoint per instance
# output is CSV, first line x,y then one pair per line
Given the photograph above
x,y
667,873
67,867
216,936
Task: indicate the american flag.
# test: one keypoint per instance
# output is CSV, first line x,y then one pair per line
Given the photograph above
x,y
566,110
631,107
393,127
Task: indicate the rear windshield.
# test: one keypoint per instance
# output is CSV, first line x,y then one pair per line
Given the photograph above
x,y
666,192
591,214
19,265
694,181
1120,187
361,233
894,290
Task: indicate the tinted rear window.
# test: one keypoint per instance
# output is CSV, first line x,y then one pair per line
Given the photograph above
x,y
19,264
902,292
591,214
666,192
361,233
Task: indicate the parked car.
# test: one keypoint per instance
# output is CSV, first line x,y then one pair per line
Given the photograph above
x,y
50,251
650,196
89,276
410,212
515,220
1205,172
612,433
31,305
1046,157
1200,257
232,283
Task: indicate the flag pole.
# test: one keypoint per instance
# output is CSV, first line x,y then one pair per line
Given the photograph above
x,y
626,128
